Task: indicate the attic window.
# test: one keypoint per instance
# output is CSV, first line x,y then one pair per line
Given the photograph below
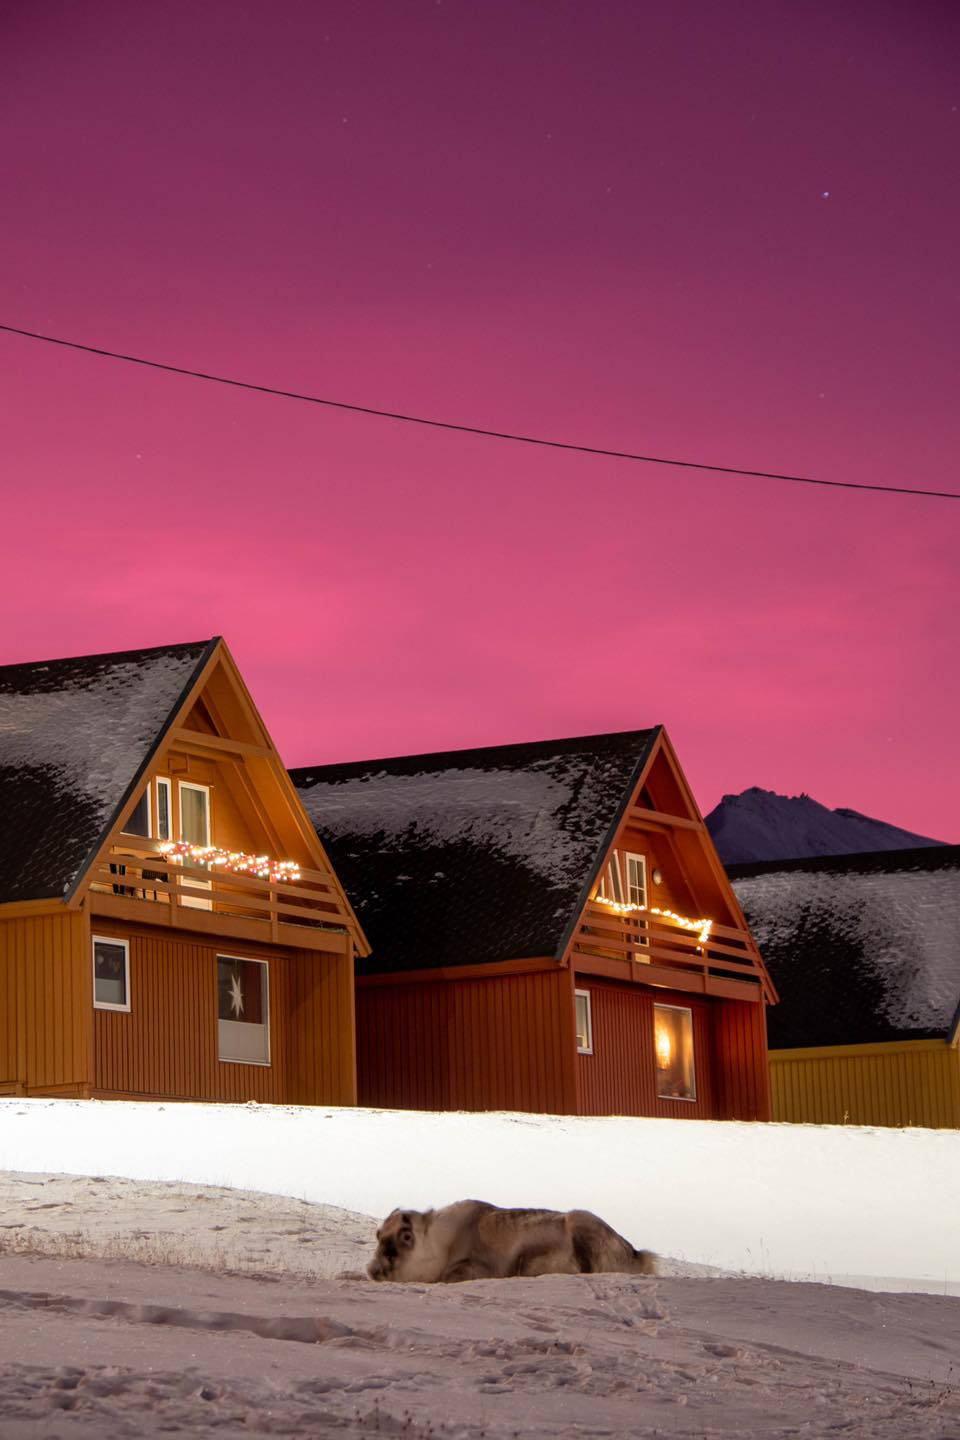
x,y
611,883
139,821
636,872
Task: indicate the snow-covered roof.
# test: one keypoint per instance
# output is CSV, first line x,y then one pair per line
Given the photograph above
x,y
862,948
472,855
74,736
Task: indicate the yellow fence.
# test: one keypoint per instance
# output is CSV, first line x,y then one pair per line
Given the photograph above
x,y
909,1082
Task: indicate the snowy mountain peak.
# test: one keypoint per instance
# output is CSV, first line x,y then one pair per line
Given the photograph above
x,y
761,825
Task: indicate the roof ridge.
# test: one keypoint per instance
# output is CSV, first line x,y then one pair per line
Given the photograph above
x,y
112,654
894,859
641,735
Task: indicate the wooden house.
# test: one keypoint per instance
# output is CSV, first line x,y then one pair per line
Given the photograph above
x,y
552,931
169,922
865,951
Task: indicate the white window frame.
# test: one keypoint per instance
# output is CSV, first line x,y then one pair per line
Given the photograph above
x,y
163,782
642,862
584,995
611,871
246,960
194,902
678,1099
195,785
640,956
124,945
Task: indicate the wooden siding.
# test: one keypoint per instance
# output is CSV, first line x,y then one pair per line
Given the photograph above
x,y
167,1045
46,983
911,1082
322,1051
619,1078
741,1072
505,1042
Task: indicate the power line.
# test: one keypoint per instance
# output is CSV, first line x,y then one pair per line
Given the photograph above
x,y
478,429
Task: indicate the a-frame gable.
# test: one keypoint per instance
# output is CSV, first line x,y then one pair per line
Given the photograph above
x,y
216,727
691,932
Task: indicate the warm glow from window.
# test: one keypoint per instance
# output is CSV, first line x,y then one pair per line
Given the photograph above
x,y
673,1049
664,1046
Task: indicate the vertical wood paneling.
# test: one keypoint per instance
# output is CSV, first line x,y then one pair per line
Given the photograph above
x,y
45,993
167,1045
322,1055
902,1083
619,1078
472,1044
741,1072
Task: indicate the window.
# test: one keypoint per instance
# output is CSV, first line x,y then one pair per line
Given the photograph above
x,y
164,809
611,884
636,867
636,875
673,1049
139,821
194,813
195,829
111,974
584,1022
243,1010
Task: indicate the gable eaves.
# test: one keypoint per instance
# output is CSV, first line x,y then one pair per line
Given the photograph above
x,y
190,688
644,761
306,827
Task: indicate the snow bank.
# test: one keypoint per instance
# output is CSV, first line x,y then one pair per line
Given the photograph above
x,y
841,1204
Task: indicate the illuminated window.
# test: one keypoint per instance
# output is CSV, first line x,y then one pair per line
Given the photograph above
x,y
673,1050
195,829
584,1022
111,974
243,1010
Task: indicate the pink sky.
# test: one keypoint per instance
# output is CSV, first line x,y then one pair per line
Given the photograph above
x,y
723,233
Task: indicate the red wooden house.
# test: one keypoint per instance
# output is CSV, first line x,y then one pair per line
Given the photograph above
x,y
169,922
552,931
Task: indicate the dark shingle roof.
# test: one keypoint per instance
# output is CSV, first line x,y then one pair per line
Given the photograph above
x,y
74,737
862,948
472,855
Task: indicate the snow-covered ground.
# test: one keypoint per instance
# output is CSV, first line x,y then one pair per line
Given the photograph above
x,y
875,1208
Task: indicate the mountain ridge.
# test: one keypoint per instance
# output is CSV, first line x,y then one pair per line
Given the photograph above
x,y
757,825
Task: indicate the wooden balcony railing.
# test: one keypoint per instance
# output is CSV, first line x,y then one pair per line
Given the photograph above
x,y
666,952
195,896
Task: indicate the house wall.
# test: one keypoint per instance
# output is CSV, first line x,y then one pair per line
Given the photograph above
x,y
46,1029
167,1045
673,892
740,1060
912,1082
501,1041
619,1078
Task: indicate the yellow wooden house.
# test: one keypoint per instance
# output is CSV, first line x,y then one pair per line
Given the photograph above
x,y
865,953
170,925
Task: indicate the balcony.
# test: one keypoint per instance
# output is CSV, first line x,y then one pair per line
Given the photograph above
x,y
137,881
658,948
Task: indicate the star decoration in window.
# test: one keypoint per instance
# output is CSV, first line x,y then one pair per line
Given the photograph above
x,y
236,995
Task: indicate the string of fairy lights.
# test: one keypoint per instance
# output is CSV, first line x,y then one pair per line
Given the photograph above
x,y
621,908
236,862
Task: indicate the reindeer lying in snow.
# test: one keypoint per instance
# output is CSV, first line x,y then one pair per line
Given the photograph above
x,y
475,1241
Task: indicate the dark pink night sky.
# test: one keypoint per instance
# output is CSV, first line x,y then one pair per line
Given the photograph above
x,y
724,232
